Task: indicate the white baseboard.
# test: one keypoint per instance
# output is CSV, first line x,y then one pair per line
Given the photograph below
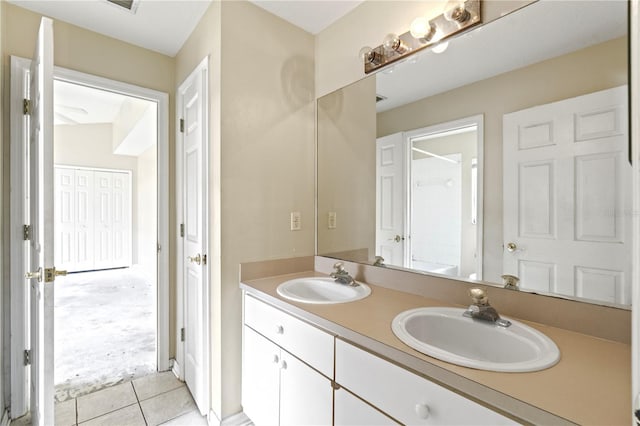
x,y
5,421
238,419
175,368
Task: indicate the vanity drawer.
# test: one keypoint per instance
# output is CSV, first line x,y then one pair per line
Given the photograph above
x,y
405,396
301,339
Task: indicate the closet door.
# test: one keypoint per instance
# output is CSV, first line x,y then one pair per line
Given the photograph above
x,y
121,219
103,219
83,230
65,219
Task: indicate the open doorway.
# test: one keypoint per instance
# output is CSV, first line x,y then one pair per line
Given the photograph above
x,y
105,225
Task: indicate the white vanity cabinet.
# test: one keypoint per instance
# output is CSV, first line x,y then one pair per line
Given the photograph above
x,y
405,396
277,387
352,411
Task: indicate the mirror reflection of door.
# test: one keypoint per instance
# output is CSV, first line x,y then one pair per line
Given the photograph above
x,y
427,198
566,194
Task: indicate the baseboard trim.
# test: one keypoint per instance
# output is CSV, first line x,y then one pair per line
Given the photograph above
x,y
175,368
238,419
5,421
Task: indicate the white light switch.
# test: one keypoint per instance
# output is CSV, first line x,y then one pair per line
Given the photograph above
x,y
331,220
296,221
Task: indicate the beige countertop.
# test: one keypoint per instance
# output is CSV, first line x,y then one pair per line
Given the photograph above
x,y
590,385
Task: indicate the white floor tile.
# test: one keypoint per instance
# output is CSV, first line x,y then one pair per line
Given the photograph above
x,y
167,406
192,418
65,413
104,401
128,416
155,384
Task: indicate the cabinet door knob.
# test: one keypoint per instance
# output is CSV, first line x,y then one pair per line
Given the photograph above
x,y
422,410
276,359
283,364
279,329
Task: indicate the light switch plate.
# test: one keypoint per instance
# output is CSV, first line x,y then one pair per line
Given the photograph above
x,y
331,220
296,221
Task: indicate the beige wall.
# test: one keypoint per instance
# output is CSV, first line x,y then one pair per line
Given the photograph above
x,y
596,68
337,47
82,50
347,169
262,160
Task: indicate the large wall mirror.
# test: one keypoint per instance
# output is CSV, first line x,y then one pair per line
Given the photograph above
x,y
506,153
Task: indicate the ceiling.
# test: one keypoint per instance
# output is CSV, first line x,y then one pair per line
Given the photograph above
x,y
164,25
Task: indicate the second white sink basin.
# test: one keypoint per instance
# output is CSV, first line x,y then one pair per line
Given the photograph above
x,y
321,290
446,334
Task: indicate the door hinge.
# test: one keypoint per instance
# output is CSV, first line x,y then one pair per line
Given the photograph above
x,y
182,125
182,229
27,357
26,106
182,334
159,247
26,232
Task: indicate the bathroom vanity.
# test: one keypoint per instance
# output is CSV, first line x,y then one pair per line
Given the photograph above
x,y
341,364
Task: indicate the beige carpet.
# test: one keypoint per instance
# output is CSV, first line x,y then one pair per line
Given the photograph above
x,y
104,330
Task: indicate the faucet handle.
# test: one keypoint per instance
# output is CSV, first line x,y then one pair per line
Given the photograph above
x,y
339,267
479,296
510,281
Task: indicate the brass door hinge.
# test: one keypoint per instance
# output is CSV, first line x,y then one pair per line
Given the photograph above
x,y
182,334
27,357
182,230
26,232
182,125
26,106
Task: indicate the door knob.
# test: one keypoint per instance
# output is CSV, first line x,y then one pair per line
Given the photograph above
x,y
34,275
511,247
197,259
397,238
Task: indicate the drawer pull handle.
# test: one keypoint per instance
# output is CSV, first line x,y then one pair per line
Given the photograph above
x,y
283,365
276,359
422,410
279,329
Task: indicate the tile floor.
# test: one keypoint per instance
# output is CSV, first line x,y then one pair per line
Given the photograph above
x,y
158,399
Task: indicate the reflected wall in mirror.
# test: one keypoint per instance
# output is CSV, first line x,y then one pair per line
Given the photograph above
x,y
552,183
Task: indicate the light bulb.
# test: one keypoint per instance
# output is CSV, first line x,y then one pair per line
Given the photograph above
x,y
392,43
365,52
440,47
422,29
455,11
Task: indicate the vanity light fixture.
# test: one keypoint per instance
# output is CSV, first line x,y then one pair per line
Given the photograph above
x,y
458,16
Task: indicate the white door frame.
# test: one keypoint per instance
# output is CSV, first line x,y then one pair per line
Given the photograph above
x,y
14,258
475,120
634,107
201,68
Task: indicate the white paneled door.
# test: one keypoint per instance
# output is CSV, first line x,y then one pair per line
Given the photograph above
x,y
43,272
391,199
192,101
567,196
92,218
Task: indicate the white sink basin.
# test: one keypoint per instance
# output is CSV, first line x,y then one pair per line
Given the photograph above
x,y
321,290
444,333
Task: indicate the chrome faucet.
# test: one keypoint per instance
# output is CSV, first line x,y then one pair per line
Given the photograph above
x,y
379,261
481,310
342,276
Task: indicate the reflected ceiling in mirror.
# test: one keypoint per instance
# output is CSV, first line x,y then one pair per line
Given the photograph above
x,y
568,57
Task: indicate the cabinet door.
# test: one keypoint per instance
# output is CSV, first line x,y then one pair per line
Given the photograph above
x,y
260,379
352,411
306,397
